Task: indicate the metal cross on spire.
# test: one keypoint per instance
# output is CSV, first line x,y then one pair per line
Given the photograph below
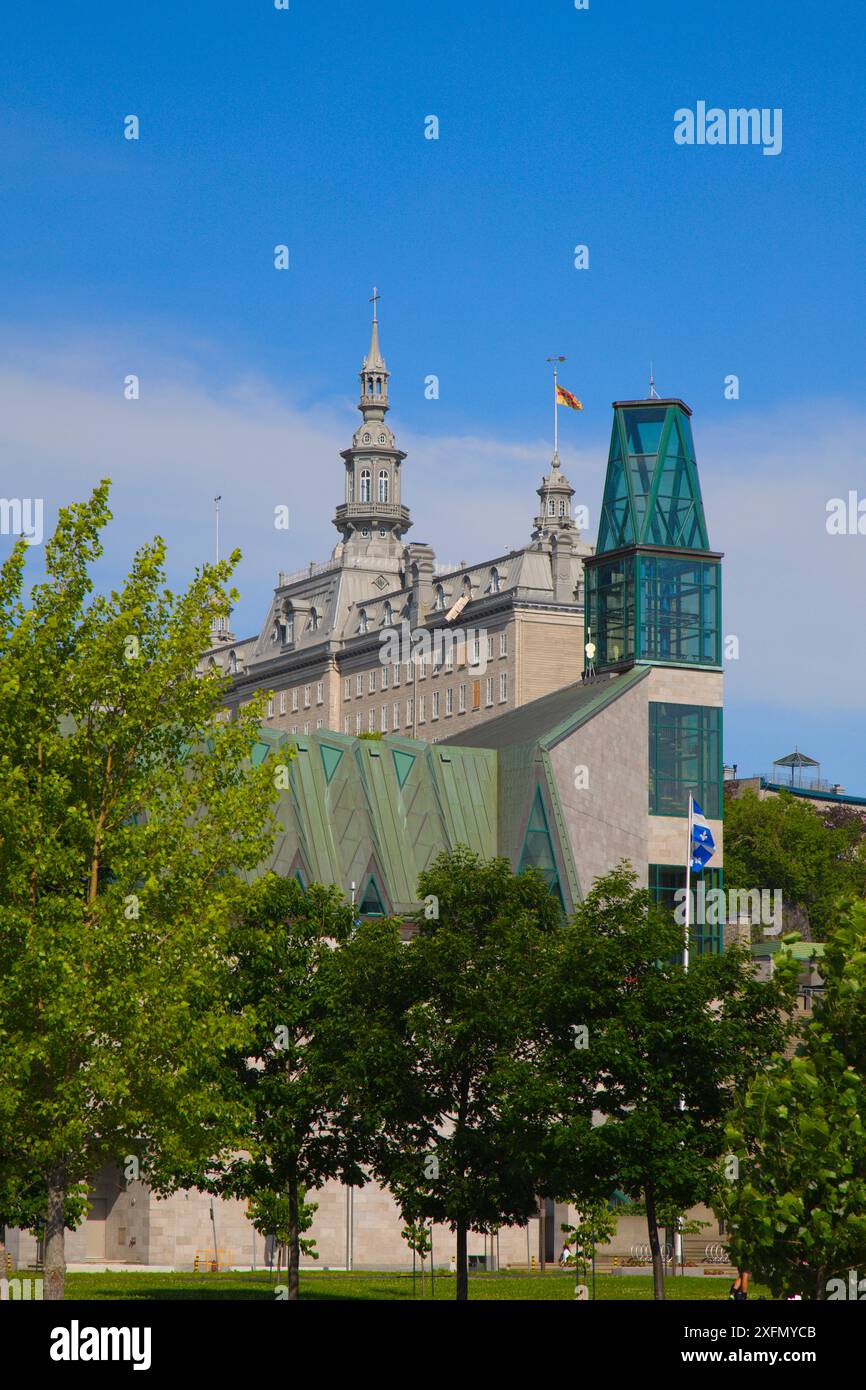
x,y
374,299
654,395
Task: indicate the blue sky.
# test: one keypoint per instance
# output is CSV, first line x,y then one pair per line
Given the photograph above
x,y
306,127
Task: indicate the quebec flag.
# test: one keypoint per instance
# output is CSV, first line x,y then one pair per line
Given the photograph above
x,y
703,846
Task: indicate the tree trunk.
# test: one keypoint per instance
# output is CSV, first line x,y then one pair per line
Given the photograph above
x,y
294,1242
462,1263
55,1229
655,1247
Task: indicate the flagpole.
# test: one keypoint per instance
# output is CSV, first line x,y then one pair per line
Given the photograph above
x,y
688,881
678,1249
555,417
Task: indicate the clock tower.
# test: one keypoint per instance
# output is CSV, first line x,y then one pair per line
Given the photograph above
x,y
371,519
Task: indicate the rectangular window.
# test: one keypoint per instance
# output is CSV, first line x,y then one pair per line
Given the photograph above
x,y
449,658
359,684
306,697
435,712
490,649
384,677
488,691
320,692
294,728
282,702
294,702
270,707
347,688
680,610
685,755
422,709
422,669
346,722
503,644
307,727
503,686
408,673
395,720
319,723
371,720
396,675
461,699
663,881
372,680
476,651
383,724
410,712
610,610
449,700
359,723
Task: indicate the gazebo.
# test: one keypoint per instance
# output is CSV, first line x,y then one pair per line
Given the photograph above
x,y
796,762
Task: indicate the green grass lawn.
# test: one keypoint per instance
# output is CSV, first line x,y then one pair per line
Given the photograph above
x,y
333,1285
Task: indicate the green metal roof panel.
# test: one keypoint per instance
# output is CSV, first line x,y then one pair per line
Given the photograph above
x,y
550,718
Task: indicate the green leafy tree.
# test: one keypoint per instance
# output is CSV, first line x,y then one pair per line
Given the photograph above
x,y
595,1225
797,1213
648,1056
129,814
784,842
468,1154
298,1128
270,1213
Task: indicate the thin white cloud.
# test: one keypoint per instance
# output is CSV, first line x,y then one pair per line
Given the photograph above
x,y
792,593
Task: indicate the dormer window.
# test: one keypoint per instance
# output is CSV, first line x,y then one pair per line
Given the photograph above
x,y
314,620
467,586
440,599
233,663
289,625
494,581
362,621
389,615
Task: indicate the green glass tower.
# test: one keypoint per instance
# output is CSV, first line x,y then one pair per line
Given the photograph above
x,y
653,587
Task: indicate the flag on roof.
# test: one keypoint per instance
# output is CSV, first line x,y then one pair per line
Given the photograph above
x,y
564,397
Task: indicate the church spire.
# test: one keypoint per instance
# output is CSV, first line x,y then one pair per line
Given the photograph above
x,y
372,519
374,373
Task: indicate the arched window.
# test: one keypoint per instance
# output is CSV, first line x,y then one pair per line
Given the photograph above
x,y
365,485
350,486
314,620
551,507
562,506
494,581
362,621
383,485
440,598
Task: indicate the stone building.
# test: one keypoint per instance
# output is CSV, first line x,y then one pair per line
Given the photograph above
x,y
468,642
566,768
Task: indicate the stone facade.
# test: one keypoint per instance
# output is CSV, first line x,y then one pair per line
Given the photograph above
x,y
323,653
